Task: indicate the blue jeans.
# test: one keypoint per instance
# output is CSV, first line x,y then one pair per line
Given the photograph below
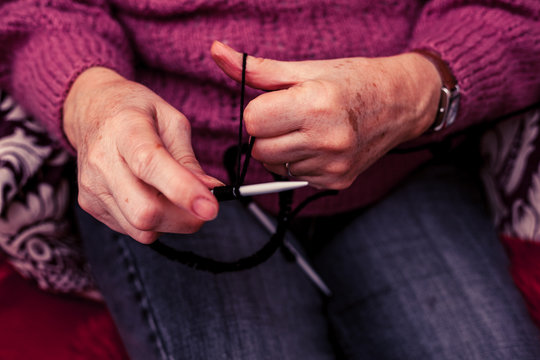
x,y
420,275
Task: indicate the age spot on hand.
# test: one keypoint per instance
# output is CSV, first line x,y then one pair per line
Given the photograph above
x,y
353,119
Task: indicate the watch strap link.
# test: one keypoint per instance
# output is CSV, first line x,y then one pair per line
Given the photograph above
x,y
449,99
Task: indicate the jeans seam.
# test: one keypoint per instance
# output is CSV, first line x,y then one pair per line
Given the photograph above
x,y
133,277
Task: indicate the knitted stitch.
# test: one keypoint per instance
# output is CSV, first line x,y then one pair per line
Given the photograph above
x,y
492,47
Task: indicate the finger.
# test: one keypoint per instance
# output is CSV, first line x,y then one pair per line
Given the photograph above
x,y
146,209
300,170
329,183
175,132
274,114
105,210
309,167
278,169
291,147
321,172
148,160
265,74
94,206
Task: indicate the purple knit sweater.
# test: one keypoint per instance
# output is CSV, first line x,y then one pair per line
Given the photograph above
x,y
492,47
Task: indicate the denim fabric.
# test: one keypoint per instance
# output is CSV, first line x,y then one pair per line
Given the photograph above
x,y
420,275
165,310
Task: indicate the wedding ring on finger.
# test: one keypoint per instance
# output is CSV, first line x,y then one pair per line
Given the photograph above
x,y
289,173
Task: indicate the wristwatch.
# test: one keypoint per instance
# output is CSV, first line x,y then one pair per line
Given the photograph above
x,y
449,100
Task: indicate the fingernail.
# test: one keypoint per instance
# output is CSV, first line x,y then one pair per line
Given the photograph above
x,y
223,45
205,208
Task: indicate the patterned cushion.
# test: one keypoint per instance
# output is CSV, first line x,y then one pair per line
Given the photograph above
x,y
511,174
36,234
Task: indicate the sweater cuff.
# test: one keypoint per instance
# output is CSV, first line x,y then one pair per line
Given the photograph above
x,y
481,58
48,64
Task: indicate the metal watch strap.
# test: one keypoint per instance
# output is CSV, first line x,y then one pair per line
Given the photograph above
x,y
449,99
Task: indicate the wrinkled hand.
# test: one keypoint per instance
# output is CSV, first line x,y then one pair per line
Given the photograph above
x,y
136,169
331,119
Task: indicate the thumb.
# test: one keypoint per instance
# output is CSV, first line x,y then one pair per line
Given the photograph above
x,y
264,74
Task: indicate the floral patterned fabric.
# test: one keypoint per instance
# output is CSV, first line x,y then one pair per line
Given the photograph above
x,y
35,232
511,175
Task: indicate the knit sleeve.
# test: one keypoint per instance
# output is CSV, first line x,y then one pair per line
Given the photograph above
x,y
47,44
492,48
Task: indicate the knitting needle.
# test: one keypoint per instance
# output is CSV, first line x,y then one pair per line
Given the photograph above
x,y
300,260
223,193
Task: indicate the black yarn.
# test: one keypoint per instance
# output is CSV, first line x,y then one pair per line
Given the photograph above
x,y
199,262
239,178
285,215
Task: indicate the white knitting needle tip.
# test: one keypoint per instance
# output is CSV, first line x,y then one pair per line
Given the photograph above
x,y
229,192
271,187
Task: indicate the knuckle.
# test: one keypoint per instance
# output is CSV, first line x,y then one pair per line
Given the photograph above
x,y
188,160
145,237
318,183
258,152
250,118
84,202
94,159
193,226
142,160
84,183
325,97
145,218
255,65
95,208
183,124
332,183
338,168
341,184
90,189
89,179
279,170
338,142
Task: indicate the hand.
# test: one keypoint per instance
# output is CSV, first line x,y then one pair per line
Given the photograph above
x,y
331,119
136,169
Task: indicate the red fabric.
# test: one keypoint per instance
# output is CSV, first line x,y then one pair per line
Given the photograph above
x,y
38,325
525,268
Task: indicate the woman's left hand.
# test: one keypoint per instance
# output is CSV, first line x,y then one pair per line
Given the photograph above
x,y
331,119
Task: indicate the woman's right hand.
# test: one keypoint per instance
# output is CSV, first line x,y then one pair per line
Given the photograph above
x,y
136,169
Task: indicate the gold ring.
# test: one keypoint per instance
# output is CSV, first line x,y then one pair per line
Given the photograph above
x,y
287,166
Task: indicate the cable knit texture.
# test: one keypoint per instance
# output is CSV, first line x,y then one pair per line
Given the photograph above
x,y
492,47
